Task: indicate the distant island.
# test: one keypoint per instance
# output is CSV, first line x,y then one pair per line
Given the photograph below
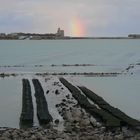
x,y
58,35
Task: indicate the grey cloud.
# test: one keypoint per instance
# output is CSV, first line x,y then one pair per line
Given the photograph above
x,y
101,17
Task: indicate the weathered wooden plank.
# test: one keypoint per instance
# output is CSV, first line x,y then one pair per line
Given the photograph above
x,y
107,118
26,118
43,114
114,111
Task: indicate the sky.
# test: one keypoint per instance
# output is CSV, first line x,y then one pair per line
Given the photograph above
x,y
76,17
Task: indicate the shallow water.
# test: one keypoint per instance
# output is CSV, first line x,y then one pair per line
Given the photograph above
x,y
10,102
107,56
121,92
107,52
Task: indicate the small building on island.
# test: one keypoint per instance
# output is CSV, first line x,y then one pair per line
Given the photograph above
x,y
60,33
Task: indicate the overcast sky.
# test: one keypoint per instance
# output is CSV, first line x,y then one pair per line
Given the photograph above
x,y
96,17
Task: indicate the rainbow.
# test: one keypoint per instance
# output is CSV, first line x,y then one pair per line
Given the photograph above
x,y
77,28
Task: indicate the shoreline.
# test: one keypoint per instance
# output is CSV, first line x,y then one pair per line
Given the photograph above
x,y
81,38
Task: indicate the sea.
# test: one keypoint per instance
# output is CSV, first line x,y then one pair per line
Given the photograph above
x,y
28,57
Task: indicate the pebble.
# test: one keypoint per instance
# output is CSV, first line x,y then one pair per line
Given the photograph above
x,y
59,139
72,134
47,92
56,121
57,92
119,137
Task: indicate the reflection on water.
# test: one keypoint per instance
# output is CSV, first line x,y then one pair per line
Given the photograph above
x,y
10,101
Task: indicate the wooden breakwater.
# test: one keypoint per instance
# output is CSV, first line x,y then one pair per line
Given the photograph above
x,y
114,111
43,114
107,118
111,116
26,118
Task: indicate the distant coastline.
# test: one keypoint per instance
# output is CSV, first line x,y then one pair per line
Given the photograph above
x,y
49,37
55,36
69,38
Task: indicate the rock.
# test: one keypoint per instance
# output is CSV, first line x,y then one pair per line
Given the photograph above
x,y
95,137
63,104
59,139
103,129
15,135
68,96
56,83
108,137
56,121
57,92
63,100
4,138
98,124
127,133
68,116
6,134
38,135
76,112
93,121
119,137
33,137
84,123
57,105
137,137
47,91
25,134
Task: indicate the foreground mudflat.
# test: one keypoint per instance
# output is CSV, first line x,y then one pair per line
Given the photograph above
x,y
78,123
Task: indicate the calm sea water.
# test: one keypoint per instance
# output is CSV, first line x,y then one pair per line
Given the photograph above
x,y
106,52
107,55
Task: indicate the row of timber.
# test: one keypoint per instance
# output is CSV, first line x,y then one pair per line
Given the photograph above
x,y
26,118
101,110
